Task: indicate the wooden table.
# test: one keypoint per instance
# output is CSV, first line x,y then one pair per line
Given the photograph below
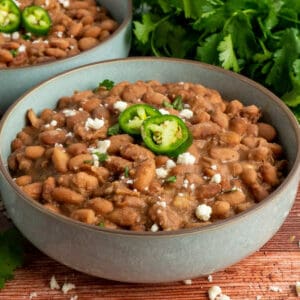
x,y
275,266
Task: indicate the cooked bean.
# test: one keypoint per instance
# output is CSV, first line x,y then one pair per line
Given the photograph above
x,y
260,154
48,186
86,43
134,92
33,190
25,164
75,29
206,191
269,174
221,209
131,201
126,216
266,131
135,152
52,208
101,173
60,160
84,183
92,31
56,52
230,138
78,161
238,125
220,118
84,215
259,192
66,195
23,180
117,164
59,43
77,148
145,173
249,176
154,98
108,25
6,56
233,198
117,141
33,119
101,205
51,137
205,129
224,154
34,152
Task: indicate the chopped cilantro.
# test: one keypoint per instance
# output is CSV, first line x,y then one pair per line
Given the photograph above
x,y
88,161
126,172
101,156
107,84
177,103
171,179
114,129
101,224
11,254
26,36
14,52
167,104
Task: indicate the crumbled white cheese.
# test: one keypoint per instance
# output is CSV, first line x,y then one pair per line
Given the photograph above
x,y
203,212
36,41
186,113
274,288
192,187
170,164
53,284
53,123
93,123
95,160
163,111
214,167
216,178
161,172
102,146
15,35
69,112
64,3
213,292
33,295
188,281
186,105
186,158
67,287
6,35
210,278
120,105
185,183
298,288
59,34
154,228
70,134
162,203
22,48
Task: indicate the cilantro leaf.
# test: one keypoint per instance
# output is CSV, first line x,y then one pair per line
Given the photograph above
x,y
106,83
11,254
171,179
227,55
101,156
177,103
144,28
114,129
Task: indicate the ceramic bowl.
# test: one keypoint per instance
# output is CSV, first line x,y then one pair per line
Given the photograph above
x,y
15,81
151,257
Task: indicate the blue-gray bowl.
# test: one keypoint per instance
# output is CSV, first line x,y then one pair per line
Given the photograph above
x,y
151,257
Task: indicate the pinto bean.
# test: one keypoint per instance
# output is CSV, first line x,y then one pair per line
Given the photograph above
x,y
134,91
86,43
79,161
84,215
220,118
77,148
125,216
33,119
23,180
117,164
251,112
59,43
60,159
145,173
259,192
109,25
25,164
100,205
221,209
238,125
6,56
205,129
155,98
224,154
135,152
101,173
48,186
206,191
34,152
56,52
249,176
233,198
75,29
131,201
84,183
230,138
33,190
51,137
269,174
92,31
266,131
259,154
117,141
52,208
234,107
67,196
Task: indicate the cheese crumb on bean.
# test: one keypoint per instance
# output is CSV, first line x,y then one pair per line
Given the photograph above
x,y
186,158
94,123
154,228
69,112
162,203
22,48
15,35
163,111
120,105
102,146
216,178
161,172
186,113
203,212
67,287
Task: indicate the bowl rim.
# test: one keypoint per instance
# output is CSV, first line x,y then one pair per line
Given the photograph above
x,y
294,171
114,35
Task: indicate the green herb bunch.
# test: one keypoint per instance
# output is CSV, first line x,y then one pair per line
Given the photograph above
x,y
259,39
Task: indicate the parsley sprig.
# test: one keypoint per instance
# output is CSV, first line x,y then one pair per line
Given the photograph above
x,y
260,39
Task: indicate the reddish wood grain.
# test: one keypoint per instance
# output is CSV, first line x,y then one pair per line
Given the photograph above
x,y
276,264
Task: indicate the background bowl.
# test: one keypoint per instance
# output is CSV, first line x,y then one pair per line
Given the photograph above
x,y
15,81
151,257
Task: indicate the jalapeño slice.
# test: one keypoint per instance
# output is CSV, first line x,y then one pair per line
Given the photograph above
x,y
131,119
166,134
10,16
36,20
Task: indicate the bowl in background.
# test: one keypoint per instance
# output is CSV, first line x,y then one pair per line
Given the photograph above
x,y
15,81
146,256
